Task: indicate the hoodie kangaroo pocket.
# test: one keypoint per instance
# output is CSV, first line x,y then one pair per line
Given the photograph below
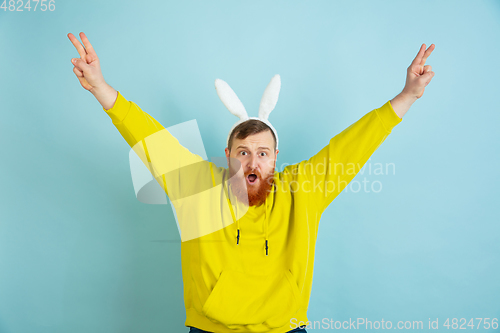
x,y
243,299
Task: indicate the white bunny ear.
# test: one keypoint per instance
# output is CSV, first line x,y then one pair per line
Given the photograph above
x,y
230,100
270,97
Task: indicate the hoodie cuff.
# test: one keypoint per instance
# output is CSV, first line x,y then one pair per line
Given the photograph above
x,y
119,110
388,116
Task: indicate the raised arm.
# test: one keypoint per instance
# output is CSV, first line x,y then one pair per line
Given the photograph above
x,y
170,163
329,171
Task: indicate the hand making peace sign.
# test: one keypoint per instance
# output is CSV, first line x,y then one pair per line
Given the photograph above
x,y
87,68
418,74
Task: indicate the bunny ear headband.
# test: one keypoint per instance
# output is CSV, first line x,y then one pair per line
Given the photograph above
x,y
234,105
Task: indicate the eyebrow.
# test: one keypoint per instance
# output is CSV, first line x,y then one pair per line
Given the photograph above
x,y
241,146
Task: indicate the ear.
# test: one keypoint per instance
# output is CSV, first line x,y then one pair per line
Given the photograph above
x,y
230,100
270,97
227,155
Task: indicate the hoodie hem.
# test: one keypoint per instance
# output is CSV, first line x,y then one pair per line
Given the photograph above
x,y
194,319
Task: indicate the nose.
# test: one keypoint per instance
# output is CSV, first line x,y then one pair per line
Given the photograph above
x,y
252,162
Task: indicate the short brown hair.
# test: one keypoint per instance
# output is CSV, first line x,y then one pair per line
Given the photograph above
x,y
249,127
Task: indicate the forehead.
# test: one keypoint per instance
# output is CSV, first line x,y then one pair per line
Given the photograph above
x,y
262,139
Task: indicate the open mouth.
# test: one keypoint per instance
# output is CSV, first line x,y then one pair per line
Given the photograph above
x,y
252,178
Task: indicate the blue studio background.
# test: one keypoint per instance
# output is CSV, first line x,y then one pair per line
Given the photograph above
x,y
80,253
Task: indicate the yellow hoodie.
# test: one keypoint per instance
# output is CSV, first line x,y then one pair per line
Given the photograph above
x,y
252,270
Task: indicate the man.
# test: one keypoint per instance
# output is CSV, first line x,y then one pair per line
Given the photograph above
x,y
253,273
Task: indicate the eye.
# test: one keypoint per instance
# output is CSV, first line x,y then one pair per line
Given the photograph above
x,y
242,152
264,153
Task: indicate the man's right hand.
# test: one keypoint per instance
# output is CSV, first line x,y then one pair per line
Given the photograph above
x,y
88,71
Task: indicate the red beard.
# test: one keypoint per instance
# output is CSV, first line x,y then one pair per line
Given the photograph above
x,y
255,195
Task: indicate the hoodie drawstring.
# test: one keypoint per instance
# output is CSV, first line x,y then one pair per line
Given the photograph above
x,y
238,236
232,215
266,227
